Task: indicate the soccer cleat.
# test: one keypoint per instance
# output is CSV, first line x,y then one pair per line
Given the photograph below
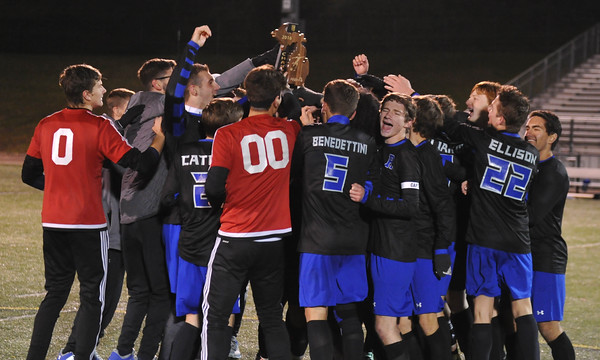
x,y
234,351
368,355
66,356
116,356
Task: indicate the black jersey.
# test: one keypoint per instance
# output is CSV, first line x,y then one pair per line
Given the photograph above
x,y
546,202
435,222
394,200
504,166
328,159
185,188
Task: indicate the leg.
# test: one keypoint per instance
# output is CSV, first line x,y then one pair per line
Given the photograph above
x,y
319,335
387,329
137,288
159,301
59,276
352,334
526,339
91,263
557,339
114,286
266,279
481,335
227,271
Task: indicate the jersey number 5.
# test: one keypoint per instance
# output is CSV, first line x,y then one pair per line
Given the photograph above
x,y
266,151
62,136
495,178
336,170
200,200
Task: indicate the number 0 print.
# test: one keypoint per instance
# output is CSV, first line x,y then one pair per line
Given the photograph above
x,y
266,151
336,170
495,178
62,136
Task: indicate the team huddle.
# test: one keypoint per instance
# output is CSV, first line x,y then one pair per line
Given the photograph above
x,y
367,206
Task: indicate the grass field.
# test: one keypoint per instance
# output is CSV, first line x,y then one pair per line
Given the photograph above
x,y
21,277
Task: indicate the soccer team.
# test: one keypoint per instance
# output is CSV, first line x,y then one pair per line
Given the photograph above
x,y
368,204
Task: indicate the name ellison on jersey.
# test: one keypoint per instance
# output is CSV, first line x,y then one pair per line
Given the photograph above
x,y
341,144
505,149
188,160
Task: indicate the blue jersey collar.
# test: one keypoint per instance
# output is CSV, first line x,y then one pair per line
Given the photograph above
x,y
510,134
398,143
340,119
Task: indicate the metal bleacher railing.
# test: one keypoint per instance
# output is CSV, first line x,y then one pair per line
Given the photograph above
x,y
553,67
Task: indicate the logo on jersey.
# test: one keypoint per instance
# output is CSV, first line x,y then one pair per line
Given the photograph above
x,y
389,164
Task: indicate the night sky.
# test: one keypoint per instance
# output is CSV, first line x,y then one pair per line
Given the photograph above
x,y
242,25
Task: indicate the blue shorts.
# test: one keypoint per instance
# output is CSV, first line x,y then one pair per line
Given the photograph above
x,y
487,269
548,296
171,239
426,288
329,280
391,286
190,283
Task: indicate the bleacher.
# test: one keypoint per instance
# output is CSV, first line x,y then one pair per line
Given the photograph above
x,y
567,82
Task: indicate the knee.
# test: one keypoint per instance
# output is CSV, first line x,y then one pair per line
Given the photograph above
x,y
550,330
428,323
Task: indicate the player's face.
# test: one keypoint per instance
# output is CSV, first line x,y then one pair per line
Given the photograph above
x,y
495,119
207,89
96,95
476,104
391,122
536,134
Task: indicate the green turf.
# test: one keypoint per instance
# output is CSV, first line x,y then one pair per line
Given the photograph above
x,y
21,277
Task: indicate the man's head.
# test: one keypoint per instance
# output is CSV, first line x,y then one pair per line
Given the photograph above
x,y
116,101
264,85
201,88
155,73
82,85
482,95
220,112
339,98
446,104
543,130
396,110
429,116
508,111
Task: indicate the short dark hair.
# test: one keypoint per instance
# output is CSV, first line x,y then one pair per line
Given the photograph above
x,y
407,101
220,112
341,97
487,88
263,84
447,105
367,113
513,106
552,123
429,116
197,69
75,79
116,96
152,69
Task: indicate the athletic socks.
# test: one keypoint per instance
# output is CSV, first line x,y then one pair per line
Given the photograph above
x,y
412,345
463,322
396,351
480,342
526,338
319,340
186,342
497,351
562,349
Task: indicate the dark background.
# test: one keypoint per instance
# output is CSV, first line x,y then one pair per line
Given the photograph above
x,y
397,26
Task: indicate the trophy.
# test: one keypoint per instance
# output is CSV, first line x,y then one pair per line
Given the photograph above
x,y
291,59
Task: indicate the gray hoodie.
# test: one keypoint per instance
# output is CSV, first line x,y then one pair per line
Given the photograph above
x,y
140,197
